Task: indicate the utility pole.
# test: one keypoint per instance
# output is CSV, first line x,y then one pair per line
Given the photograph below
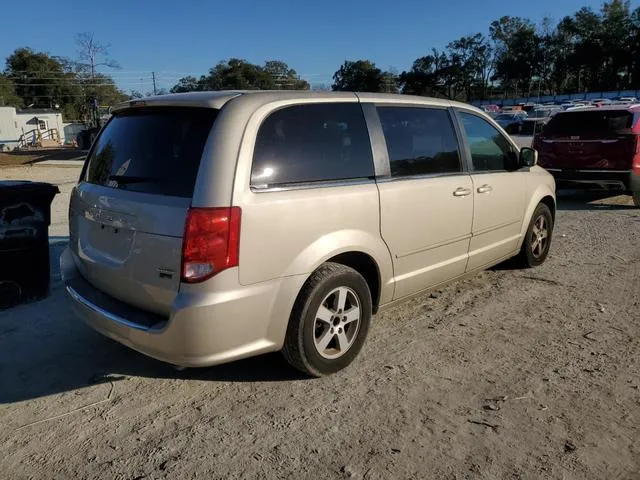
x,y
153,75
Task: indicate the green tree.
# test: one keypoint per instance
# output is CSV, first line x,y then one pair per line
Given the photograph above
x,y
238,74
599,51
518,53
617,43
358,76
426,76
39,79
470,64
187,84
44,81
284,78
584,57
8,96
390,80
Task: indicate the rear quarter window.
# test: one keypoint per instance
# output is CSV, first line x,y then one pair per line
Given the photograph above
x,y
312,143
155,151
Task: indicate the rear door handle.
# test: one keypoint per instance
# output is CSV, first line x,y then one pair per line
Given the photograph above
x,y
461,192
485,189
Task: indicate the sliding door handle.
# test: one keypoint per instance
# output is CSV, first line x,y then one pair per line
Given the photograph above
x,y
461,192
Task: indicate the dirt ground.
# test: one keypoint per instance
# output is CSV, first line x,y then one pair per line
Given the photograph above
x,y
509,375
31,157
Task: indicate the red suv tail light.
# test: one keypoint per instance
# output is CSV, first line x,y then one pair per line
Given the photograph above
x,y
211,242
635,166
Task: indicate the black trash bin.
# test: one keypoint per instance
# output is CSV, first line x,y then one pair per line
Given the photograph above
x,y
25,215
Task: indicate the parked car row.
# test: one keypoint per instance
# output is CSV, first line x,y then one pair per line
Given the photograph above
x,y
523,123
494,109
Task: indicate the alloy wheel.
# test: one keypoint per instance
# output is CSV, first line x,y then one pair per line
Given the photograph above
x,y
539,236
337,323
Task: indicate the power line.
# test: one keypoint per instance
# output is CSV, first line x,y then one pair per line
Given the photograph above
x,y
75,84
110,72
81,78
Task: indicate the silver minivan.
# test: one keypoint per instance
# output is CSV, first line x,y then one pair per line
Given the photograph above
x,y
212,226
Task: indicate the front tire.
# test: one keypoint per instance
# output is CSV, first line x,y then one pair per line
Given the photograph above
x,y
537,241
636,198
329,322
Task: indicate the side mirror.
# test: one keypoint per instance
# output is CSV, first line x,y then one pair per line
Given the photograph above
x,y
528,157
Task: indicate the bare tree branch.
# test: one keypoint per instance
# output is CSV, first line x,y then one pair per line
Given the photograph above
x,y
91,51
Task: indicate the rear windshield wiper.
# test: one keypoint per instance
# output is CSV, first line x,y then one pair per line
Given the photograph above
x,y
125,179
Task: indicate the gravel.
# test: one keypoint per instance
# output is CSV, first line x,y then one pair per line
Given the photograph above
x,y
540,382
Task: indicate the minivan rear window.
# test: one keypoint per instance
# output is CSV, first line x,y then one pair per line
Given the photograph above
x,y
593,123
153,150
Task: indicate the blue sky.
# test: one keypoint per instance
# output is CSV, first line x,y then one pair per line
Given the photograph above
x,y
314,37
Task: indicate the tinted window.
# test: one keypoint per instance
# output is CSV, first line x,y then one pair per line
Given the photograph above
x,y
592,123
531,127
420,141
490,150
152,150
311,143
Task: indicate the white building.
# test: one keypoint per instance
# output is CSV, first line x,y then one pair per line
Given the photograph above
x,y
30,126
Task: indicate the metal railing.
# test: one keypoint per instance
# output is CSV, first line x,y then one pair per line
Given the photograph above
x,y
33,138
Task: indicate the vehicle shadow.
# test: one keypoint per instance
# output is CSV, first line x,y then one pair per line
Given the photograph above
x,y
572,200
46,350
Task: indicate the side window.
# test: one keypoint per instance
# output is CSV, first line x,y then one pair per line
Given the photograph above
x,y
421,141
312,143
490,150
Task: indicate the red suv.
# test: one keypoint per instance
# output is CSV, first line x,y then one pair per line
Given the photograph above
x,y
594,147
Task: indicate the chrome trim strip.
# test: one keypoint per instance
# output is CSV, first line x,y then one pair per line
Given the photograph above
x,y
580,141
101,311
311,185
587,171
619,183
489,172
425,176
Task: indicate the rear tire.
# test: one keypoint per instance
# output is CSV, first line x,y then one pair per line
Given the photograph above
x,y
636,198
329,321
537,241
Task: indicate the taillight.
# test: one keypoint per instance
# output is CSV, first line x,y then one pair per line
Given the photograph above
x,y
636,158
211,242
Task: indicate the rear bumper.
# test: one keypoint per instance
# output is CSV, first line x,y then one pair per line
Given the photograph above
x,y
605,179
224,322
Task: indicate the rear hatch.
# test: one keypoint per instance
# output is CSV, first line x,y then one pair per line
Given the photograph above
x,y
588,140
128,212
